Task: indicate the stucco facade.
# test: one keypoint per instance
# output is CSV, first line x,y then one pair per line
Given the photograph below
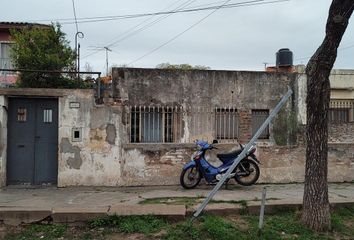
x,y
102,153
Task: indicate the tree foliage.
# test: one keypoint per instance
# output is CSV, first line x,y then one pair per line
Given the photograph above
x,y
40,48
183,66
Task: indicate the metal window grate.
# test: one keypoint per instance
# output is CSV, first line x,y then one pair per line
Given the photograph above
x,y
155,124
226,123
258,117
341,111
47,115
21,114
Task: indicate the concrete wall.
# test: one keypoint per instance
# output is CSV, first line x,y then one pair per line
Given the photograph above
x,y
97,158
104,156
341,133
287,164
161,164
204,88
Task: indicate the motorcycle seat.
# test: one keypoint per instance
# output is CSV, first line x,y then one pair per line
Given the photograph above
x,y
224,157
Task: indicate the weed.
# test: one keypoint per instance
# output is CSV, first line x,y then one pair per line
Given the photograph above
x,y
38,231
284,225
189,201
130,224
183,231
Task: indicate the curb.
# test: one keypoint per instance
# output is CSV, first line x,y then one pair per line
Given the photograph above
x,y
21,215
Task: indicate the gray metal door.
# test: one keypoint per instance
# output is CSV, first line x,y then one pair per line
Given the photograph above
x,y
32,141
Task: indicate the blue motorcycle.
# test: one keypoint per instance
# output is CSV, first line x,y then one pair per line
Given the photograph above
x,y
246,172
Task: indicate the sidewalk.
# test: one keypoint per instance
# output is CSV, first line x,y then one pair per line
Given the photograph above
x,y
18,205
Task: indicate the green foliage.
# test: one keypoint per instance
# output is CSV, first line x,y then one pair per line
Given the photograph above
x,y
37,231
218,228
342,221
189,201
285,128
184,230
130,224
183,66
42,49
285,225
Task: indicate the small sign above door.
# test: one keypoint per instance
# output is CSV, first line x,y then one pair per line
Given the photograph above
x,y
74,105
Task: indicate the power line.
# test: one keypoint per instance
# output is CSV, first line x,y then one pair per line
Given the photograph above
x,y
113,18
119,17
308,57
151,24
240,4
195,24
77,28
130,32
178,35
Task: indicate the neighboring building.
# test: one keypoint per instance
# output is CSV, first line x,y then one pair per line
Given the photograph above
x,y
9,78
342,88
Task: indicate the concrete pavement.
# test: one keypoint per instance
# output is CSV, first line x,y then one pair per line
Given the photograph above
x,y
77,204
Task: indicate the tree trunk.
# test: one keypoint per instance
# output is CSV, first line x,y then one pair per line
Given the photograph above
x,y
316,213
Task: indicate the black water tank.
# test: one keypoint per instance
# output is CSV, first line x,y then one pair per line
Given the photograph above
x,y
284,57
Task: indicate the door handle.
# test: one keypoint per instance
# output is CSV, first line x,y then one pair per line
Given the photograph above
x,y
21,145
37,137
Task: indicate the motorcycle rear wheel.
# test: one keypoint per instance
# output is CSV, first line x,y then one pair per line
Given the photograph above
x,y
190,177
250,170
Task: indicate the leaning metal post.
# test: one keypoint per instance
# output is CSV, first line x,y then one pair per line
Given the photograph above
x,y
243,153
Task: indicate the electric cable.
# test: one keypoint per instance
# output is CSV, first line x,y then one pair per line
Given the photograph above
x,y
179,34
130,32
119,17
77,27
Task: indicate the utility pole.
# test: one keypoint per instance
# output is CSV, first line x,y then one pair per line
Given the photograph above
x,y
107,49
77,52
265,65
97,48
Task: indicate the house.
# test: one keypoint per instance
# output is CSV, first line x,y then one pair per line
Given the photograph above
x,y
9,78
341,82
341,111
143,131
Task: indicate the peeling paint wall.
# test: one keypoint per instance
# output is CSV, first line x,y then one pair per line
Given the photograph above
x,y
94,148
96,159
243,90
287,164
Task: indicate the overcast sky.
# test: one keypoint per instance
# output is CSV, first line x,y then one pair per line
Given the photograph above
x,y
240,38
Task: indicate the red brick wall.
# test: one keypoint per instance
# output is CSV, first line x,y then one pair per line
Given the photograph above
x,y
245,126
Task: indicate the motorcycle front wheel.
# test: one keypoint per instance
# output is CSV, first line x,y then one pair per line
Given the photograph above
x,y
190,177
247,173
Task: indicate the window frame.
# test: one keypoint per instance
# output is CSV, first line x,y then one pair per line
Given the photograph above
x,y
228,116
155,124
260,113
2,73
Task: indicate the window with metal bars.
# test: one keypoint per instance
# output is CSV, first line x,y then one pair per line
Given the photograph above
x,y
258,117
5,59
155,124
226,123
338,115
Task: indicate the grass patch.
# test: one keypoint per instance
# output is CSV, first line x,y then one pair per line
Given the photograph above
x,y
193,200
284,225
130,224
173,200
38,231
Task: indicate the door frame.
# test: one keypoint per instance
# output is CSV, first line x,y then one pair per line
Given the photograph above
x,y
10,98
